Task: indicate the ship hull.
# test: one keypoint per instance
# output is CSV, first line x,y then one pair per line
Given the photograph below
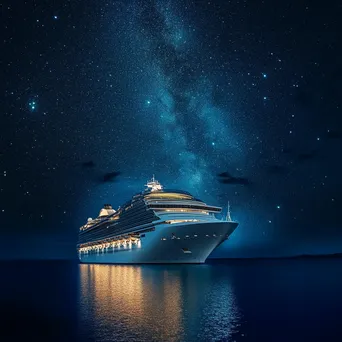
x,y
183,243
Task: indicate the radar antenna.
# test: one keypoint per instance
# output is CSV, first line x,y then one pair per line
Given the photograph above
x,y
153,185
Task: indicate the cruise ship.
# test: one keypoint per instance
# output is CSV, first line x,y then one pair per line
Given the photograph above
x,y
155,226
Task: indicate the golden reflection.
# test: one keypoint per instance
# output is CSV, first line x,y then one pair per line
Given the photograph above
x,y
133,297
158,303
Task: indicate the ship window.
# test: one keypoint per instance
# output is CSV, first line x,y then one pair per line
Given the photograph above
x,y
163,238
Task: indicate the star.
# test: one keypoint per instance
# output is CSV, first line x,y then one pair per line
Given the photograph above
x,y
278,206
213,143
264,75
55,17
32,105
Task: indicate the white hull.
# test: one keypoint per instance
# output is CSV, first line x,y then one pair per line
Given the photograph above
x,y
175,243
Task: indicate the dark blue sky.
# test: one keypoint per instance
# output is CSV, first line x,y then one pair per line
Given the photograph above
x,y
180,89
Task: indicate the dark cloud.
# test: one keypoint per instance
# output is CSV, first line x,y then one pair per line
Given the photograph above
x,y
227,178
235,180
111,176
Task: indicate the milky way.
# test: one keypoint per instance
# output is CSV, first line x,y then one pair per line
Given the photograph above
x,y
179,97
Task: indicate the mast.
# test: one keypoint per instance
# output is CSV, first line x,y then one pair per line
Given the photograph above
x,y
228,218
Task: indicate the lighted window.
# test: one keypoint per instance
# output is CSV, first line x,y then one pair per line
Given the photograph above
x,y
168,195
180,221
182,210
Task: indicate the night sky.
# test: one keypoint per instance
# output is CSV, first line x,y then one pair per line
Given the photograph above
x,y
184,90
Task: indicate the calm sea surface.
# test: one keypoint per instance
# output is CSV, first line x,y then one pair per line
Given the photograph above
x,y
256,300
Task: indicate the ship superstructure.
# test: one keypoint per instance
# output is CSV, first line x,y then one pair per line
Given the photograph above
x,y
155,226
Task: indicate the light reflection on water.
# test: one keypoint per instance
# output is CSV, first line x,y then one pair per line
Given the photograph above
x,y
274,300
156,303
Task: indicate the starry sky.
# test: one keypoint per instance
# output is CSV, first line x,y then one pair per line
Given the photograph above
x,y
184,90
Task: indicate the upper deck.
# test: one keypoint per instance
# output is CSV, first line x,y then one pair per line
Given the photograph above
x,y
144,208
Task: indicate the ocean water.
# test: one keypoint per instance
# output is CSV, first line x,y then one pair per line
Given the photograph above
x,y
247,300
